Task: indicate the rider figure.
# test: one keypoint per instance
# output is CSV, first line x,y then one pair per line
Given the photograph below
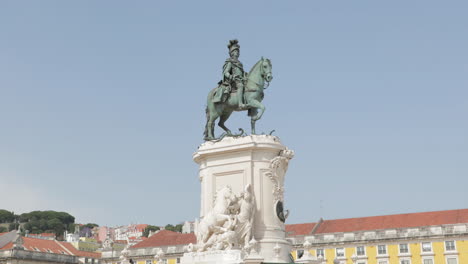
x,y
233,71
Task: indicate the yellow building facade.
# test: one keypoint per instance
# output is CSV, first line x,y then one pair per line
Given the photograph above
x,y
420,238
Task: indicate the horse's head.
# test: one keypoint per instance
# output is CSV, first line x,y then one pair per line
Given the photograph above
x,y
266,70
224,194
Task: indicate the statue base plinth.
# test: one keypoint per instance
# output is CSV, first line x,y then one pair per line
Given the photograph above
x,y
260,161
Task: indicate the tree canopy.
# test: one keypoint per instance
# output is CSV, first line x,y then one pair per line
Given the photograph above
x,y
150,228
47,222
6,216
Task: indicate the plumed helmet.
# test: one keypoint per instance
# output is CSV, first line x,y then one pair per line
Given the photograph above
x,y
233,45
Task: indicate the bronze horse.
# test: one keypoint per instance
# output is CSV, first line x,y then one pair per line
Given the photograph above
x,y
253,96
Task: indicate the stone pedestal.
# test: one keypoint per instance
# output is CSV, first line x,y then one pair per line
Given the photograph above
x,y
218,256
258,160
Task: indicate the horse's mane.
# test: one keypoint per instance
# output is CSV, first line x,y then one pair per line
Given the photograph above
x,y
256,64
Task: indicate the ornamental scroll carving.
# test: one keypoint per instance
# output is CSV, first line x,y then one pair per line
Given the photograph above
x,y
278,166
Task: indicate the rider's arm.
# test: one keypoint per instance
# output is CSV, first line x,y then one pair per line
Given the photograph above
x,y
227,71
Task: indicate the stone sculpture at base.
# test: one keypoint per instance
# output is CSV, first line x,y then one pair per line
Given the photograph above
x,y
242,201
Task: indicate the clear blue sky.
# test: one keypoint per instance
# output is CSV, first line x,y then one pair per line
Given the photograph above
x,y
102,104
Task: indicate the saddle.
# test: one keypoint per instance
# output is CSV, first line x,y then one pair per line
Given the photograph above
x,y
223,91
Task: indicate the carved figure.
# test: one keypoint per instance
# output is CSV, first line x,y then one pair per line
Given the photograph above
x,y
229,224
245,217
237,92
213,222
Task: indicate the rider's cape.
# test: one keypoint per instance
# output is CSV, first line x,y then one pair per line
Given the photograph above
x,y
224,86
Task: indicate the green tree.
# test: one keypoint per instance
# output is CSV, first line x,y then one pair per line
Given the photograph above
x,y
3,229
150,228
47,221
169,227
178,228
6,216
13,226
90,225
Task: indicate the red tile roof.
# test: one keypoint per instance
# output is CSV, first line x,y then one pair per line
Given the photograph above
x,y
37,244
52,246
393,221
141,227
80,253
299,229
167,238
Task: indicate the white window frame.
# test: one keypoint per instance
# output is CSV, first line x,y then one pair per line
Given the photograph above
x,y
404,253
297,253
451,256
149,261
336,252
382,261
424,258
386,251
361,261
363,255
404,259
323,252
422,247
454,246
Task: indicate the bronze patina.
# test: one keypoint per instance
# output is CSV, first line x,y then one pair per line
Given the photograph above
x,y
237,91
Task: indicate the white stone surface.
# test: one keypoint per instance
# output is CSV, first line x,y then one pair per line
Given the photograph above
x,y
210,257
258,160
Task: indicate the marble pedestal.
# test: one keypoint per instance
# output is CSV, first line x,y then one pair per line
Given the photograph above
x,y
258,160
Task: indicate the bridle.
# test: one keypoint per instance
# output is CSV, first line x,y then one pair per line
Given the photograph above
x,y
264,78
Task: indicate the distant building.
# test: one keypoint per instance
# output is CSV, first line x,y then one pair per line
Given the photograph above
x,y
129,231
188,227
417,238
439,237
171,243
18,249
104,232
49,236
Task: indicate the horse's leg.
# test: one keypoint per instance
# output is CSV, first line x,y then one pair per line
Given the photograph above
x,y
260,106
252,125
223,119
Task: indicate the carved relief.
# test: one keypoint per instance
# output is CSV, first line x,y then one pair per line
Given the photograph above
x,y
278,166
229,223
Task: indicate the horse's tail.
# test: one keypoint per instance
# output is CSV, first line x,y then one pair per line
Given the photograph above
x,y
207,113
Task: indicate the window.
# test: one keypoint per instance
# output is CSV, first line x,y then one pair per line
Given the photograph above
x,y
452,261
320,252
340,252
148,261
361,262
383,262
404,249
300,253
450,245
382,250
428,261
426,247
178,260
360,251
404,261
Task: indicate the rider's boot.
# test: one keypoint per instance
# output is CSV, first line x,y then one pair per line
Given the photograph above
x,y
240,98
